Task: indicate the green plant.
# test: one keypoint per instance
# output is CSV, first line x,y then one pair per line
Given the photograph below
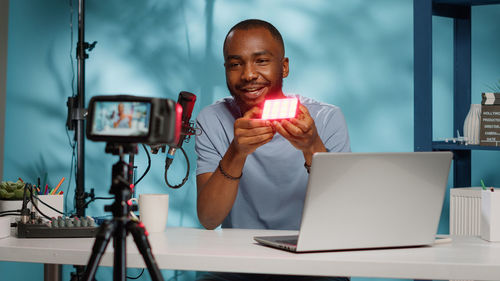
x,y
12,190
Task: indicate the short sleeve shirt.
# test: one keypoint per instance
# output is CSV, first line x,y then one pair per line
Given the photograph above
x,y
272,188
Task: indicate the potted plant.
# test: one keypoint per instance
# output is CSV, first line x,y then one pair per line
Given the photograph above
x,y
11,196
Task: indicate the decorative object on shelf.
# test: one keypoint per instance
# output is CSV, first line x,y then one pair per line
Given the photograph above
x,y
472,124
490,99
490,119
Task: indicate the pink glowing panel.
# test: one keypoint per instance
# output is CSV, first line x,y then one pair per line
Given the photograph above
x,y
280,108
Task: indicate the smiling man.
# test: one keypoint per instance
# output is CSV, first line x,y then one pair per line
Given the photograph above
x,y
252,173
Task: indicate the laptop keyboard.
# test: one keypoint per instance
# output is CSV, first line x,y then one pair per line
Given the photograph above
x,y
288,241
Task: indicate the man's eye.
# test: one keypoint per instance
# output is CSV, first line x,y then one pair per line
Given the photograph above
x,y
262,61
234,64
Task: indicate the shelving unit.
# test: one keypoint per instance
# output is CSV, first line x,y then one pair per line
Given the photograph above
x,y
460,11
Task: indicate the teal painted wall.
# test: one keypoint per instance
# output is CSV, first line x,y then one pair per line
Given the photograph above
x,y
352,53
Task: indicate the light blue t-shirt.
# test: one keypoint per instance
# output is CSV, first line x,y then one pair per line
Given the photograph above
x,y
272,189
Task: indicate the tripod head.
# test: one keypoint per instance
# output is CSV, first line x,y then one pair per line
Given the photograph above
x,y
122,184
120,149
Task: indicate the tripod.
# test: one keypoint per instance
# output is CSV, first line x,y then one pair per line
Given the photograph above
x,y
121,224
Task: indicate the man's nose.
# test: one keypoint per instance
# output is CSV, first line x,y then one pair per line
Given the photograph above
x,y
249,72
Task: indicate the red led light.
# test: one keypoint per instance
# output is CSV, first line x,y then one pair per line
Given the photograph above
x,y
280,108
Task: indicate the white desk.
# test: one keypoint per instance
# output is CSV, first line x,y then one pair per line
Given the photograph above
x,y
234,250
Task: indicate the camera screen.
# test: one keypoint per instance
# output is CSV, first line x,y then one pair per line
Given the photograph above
x,y
123,118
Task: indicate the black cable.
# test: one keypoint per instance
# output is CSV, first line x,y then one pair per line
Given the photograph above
x,y
71,10
73,154
32,200
96,198
138,276
9,214
54,209
149,165
11,211
185,177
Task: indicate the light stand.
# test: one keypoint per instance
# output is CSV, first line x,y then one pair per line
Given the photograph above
x,y
77,113
76,120
121,224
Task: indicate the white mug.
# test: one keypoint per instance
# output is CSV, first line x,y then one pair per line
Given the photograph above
x,y
153,211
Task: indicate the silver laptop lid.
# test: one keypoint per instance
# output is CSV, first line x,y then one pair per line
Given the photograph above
x,y
371,200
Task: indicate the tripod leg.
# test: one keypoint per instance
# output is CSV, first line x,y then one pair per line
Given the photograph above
x,y
120,254
101,242
141,240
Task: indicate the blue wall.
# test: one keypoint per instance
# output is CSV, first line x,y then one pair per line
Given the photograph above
x,y
352,53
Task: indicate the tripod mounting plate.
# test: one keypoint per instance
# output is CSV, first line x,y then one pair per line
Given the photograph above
x,y
121,148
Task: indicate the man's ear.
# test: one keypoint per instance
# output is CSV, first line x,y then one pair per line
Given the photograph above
x,y
285,67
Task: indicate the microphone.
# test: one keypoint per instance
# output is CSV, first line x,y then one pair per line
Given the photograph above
x,y
186,100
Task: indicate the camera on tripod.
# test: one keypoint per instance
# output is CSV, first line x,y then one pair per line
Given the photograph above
x,y
123,121
131,119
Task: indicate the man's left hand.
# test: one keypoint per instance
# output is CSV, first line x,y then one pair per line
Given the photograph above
x,y
301,132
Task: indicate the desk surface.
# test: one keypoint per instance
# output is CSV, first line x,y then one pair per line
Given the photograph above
x,y
234,250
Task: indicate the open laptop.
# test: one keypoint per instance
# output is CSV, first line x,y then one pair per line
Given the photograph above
x,y
370,200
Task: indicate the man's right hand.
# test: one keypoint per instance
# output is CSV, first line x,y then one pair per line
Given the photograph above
x,y
250,132
217,192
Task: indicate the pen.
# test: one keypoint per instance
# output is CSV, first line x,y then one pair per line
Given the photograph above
x,y
482,184
57,187
39,186
44,181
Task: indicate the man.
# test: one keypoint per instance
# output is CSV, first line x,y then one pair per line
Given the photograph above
x,y
252,173
123,120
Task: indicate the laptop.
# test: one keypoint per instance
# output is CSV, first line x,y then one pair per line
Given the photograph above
x,y
370,200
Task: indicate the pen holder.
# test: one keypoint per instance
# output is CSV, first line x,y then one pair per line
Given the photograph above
x,y
55,201
490,215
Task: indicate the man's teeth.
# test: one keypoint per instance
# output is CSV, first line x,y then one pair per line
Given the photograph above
x,y
253,91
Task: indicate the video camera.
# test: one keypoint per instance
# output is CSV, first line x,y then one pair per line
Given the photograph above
x,y
133,119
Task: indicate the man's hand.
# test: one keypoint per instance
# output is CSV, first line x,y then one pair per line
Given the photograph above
x,y
251,133
217,192
301,132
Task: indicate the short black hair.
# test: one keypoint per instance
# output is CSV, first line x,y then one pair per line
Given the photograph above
x,y
256,23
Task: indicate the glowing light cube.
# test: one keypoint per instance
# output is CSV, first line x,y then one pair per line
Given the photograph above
x,y
280,108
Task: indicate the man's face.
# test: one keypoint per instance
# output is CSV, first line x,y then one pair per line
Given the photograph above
x,y
120,108
255,66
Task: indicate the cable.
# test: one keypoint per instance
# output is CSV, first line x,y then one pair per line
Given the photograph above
x,y
149,165
138,276
10,211
185,177
70,176
9,214
34,205
72,144
97,198
71,10
54,209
